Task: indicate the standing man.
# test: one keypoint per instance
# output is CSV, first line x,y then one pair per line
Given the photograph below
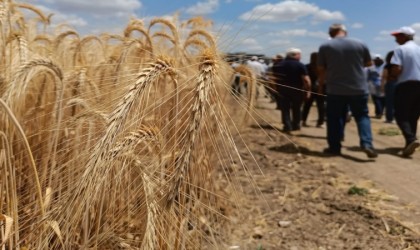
x,y
406,65
291,79
375,81
258,70
319,99
341,67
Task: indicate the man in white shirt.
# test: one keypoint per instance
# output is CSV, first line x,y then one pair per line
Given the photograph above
x,y
406,65
258,70
256,67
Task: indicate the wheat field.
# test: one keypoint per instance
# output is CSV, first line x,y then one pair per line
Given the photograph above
x,y
112,141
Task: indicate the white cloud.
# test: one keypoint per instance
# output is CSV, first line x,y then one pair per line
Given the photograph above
x,y
357,25
60,17
290,10
300,33
97,8
325,15
278,42
203,8
251,45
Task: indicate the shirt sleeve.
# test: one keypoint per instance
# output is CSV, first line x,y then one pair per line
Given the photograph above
x,y
367,58
321,57
303,69
397,57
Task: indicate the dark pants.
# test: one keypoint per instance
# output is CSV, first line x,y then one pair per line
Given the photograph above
x,y
337,108
389,100
291,100
236,90
379,102
320,104
407,108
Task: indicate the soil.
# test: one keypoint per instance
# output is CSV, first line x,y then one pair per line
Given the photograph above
x,y
288,195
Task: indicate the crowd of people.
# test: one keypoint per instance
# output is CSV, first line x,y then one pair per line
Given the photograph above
x,y
340,78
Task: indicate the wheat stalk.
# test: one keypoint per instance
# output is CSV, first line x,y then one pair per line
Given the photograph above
x,y
29,151
205,34
43,18
129,29
202,91
96,170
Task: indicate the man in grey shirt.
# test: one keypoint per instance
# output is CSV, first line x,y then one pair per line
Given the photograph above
x,y
341,66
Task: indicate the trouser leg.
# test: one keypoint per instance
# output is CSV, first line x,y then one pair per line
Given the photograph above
x,y
336,107
407,109
360,111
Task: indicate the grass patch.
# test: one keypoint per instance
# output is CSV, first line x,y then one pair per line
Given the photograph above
x,y
389,131
354,190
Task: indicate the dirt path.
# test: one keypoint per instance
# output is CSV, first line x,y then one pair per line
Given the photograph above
x,y
288,195
390,172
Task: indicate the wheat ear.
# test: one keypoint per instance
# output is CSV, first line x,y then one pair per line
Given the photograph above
x,y
205,83
43,18
89,187
62,36
199,32
168,24
131,28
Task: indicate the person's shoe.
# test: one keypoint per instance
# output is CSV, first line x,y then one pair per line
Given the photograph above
x,y
370,152
286,130
304,124
410,148
320,125
331,152
296,128
388,122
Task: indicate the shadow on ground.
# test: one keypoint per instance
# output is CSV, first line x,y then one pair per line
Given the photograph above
x,y
291,148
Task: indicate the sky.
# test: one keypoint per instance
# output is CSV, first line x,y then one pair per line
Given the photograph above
x,y
251,26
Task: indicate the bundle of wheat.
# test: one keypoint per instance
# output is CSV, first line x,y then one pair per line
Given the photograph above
x,y
105,143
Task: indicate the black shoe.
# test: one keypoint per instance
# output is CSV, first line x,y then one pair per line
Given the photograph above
x,y
329,151
286,130
297,128
410,148
370,152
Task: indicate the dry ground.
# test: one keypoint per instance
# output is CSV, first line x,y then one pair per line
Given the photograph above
x,y
293,197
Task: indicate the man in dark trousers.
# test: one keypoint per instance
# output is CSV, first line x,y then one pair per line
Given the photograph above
x,y
341,68
406,65
292,80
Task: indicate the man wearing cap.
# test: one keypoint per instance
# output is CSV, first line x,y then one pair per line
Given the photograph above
x,y
341,67
406,65
291,79
258,71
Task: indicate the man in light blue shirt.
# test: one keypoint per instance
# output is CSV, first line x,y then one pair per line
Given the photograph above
x,y
406,65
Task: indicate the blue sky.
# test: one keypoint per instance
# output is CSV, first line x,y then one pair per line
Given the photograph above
x,y
254,26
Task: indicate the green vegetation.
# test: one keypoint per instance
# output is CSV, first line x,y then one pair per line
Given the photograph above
x,y
354,190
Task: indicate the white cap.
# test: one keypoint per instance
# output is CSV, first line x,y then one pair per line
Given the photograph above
x,y
293,51
376,56
254,58
404,30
